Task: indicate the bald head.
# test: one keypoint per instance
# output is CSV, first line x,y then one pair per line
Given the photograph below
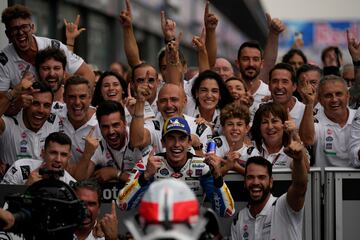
x,y
171,100
224,68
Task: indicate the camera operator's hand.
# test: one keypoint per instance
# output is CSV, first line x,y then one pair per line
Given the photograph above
x,y
7,220
34,176
109,223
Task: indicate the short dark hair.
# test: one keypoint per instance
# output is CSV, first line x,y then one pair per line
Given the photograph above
x,y
97,97
234,110
250,44
43,87
258,160
284,66
50,53
294,51
276,110
225,96
330,78
107,107
306,68
77,80
57,137
14,12
89,184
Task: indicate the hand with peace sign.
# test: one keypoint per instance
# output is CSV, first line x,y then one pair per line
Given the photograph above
x,y
153,165
307,91
126,15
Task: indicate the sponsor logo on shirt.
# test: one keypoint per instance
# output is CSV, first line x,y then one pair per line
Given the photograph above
x,y
164,172
25,171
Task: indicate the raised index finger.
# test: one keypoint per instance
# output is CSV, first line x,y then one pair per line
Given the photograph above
x,y
113,208
91,131
206,12
268,18
162,18
128,6
129,89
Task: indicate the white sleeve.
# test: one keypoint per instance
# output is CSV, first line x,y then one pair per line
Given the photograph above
x,y
354,143
4,73
12,176
73,61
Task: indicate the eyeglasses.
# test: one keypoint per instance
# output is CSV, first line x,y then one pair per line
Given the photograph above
x,y
16,30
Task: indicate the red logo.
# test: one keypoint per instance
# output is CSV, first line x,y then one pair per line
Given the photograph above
x,y
329,131
23,135
189,172
176,175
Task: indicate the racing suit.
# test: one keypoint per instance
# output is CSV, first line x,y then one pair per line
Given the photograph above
x,y
195,173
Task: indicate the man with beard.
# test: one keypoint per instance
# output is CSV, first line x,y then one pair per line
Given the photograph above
x,y
50,65
55,156
118,157
19,56
250,62
268,217
23,135
106,228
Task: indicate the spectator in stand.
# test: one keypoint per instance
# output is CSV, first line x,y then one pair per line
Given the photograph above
x,y
239,91
332,60
348,74
224,68
295,57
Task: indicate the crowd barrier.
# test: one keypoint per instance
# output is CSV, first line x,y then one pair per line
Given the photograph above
x,y
331,211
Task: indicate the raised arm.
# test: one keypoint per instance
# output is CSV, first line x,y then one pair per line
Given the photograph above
x,y
297,190
203,60
307,129
276,27
173,73
72,31
354,50
130,45
139,135
210,22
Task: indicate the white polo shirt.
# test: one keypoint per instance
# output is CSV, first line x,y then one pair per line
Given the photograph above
x,y
223,148
155,127
260,93
297,112
12,66
354,144
276,221
215,118
19,172
17,141
78,138
332,146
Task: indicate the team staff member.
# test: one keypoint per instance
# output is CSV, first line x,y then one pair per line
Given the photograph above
x,y
268,217
203,176
20,54
55,155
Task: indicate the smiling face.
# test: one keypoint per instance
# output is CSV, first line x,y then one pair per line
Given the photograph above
x,y
272,130
19,32
56,156
236,89
111,89
152,82
296,61
208,94
250,63
235,130
177,144
223,68
281,86
52,72
113,129
334,97
171,101
258,183
77,98
38,112
90,199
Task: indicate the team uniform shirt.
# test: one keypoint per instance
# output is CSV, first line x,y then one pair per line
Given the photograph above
x,y
90,237
78,138
191,104
297,112
354,144
59,108
20,171
260,93
215,121
332,146
276,221
17,141
123,159
155,127
195,173
223,148
278,160
12,66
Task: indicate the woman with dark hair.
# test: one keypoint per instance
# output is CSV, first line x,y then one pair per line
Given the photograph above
x,y
295,57
211,95
270,132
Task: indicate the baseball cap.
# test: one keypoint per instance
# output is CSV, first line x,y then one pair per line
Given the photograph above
x,y
176,124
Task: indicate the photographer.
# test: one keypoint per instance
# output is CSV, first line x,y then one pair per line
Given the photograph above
x,y
56,154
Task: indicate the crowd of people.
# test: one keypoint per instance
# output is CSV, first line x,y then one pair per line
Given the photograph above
x,y
139,123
